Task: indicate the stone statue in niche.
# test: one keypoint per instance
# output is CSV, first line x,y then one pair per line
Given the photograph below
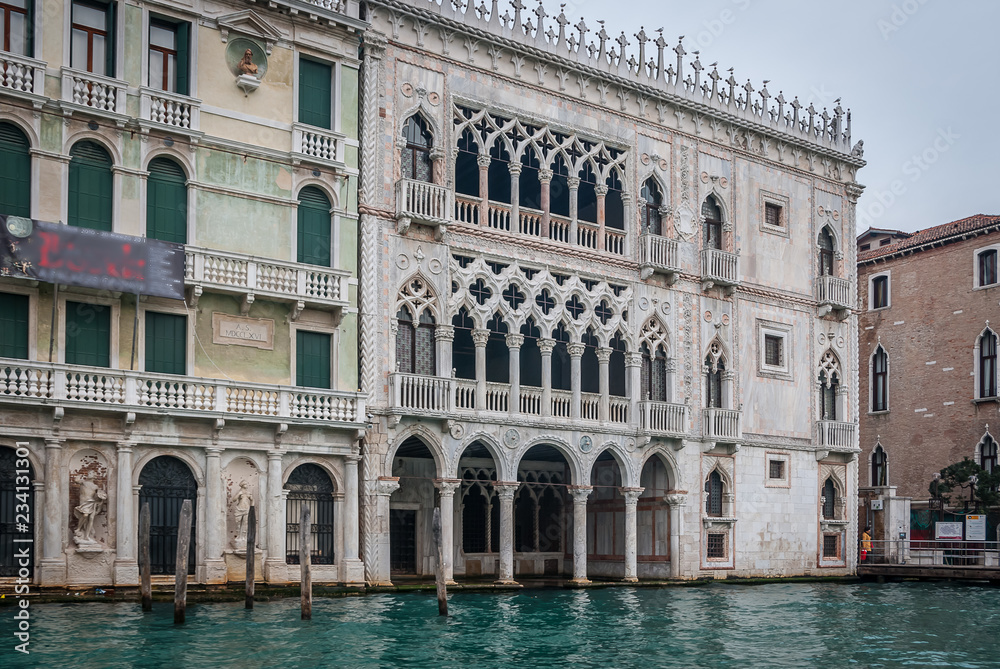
x,y
92,502
241,507
246,65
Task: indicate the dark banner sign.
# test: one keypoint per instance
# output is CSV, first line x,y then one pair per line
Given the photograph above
x,y
57,253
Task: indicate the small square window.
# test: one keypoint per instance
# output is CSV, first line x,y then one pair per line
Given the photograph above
x,y
866,247
772,214
776,474
831,546
716,546
773,354
880,291
773,340
884,242
776,469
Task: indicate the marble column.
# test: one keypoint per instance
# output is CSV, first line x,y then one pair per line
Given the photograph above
x,y
380,564
479,338
604,384
505,492
630,224
602,194
446,495
444,337
574,207
633,365
215,517
671,372
354,569
438,167
575,350
545,179
53,563
515,195
728,380
545,347
677,503
514,343
126,568
580,494
484,189
631,496
274,565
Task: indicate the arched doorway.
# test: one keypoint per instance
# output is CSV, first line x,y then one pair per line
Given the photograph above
x,y
165,483
542,538
479,510
653,521
410,509
606,519
309,485
16,495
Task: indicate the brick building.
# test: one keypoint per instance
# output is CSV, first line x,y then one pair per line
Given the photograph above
x,y
929,318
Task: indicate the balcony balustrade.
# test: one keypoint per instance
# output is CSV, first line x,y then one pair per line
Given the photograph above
x,y
719,268
722,425
94,93
833,292
169,111
658,254
43,382
835,434
663,418
423,202
22,76
312,144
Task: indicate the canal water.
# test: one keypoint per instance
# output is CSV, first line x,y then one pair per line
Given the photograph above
x,y
773,625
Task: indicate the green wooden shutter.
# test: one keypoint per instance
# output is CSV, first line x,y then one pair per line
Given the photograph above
x,y
314,229
183,58
166,343
13,326
88,334
15,172
312,359
315,93
166,202
90,187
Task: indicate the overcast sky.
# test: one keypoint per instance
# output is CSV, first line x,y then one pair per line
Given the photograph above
x,y
921,77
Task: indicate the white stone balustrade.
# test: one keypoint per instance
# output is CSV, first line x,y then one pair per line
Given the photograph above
x,y
833,291
243,274
663,417
659,254
423,202
27,381
835,434
93,91
175,111
720,267
317,144
722,425
22,75
420,393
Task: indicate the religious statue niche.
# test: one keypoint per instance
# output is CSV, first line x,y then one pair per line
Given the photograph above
x,y
241,511
248,62
89,501
241,479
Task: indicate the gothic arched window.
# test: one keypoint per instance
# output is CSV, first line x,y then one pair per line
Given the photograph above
x,y
415,343
650,203
988,453
712,212
880,380
880,467
825,253
416,161
987,365
829,383
715,366
829,499
713,494
467,165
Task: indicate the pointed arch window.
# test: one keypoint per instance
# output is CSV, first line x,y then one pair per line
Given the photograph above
x,y
314,227
988,453
416,159
529,187
880,380
415,343
880,467
713,494
559,187
829,385
651,200
614,205
712,213
987,365
715,368
826,253
498,175
586,197
467,165
654,373
829,499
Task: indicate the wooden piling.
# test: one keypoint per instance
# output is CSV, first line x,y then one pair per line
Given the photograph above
x,y
251,543
442,591
145,581
305,563
181,574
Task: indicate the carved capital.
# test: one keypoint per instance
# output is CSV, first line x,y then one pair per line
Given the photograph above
x,y
483,161
515,168
676,499
506,489
515,340
576,349
631,495
480,337
545,175
436,153
580,493
386,485
546,346
633,359
447,486
601,190
573,182
604,355
444,332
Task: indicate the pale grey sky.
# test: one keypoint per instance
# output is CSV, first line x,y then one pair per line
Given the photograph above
x,y
921,77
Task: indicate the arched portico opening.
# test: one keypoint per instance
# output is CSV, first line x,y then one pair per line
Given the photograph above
x,y
17,493
410,510
653,520
542,511
165,483
606,528
478,512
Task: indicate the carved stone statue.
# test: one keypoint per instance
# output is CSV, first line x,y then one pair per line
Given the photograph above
x,y
241,507
859,149
92,502
246,65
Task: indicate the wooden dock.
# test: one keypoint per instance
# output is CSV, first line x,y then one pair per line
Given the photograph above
x,y
930,572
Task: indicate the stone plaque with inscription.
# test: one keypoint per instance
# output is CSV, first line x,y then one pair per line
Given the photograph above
x,y
241,331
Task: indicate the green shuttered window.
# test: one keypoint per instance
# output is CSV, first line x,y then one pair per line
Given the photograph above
x,y
166,343
314,227
315,93
312,359
166,202
13,326
15,172
90,187
88,334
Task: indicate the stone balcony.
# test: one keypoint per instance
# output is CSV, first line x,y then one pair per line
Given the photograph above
x,y
27,382
832,294
719,268
663,418
304,286
835,435
317,145
169,111
94,94
658,254
422,202
722,425
23,77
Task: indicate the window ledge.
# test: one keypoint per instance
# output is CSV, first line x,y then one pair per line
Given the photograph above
x,y
711,522
878,413
987,286
985,400
881,308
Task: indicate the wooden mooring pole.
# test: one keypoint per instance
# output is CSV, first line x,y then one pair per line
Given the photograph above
x,y
145,581
305,563
251,544
181,574
442,591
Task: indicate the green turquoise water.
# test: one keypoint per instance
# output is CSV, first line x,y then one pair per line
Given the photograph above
x,y
775,625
